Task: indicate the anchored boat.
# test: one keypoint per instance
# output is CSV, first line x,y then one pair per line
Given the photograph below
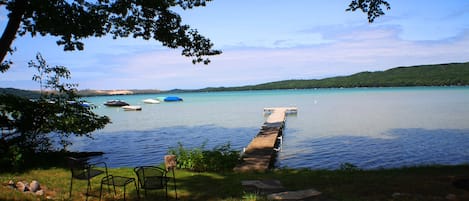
x,y
132,107
151,101
172,99
115,103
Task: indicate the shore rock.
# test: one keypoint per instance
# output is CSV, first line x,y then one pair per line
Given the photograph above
x,y
40,192
22,187
11,184
34,186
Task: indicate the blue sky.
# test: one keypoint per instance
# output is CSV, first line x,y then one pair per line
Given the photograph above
x,y
262,41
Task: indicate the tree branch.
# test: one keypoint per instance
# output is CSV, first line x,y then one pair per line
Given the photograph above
x,y
12,27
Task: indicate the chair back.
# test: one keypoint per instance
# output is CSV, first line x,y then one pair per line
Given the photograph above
x,y
151,177
78,167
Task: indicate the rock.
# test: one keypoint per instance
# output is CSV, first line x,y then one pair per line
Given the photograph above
x,y
262,187
11,184
34,186
39,192
21,186
294,195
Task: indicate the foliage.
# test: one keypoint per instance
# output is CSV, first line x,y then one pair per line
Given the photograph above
x,y
251,197
453,74
220,158
74,20
30,126
371,7
21,93
349,167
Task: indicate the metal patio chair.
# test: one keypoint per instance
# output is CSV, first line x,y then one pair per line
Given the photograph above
x,y
82,170
151,178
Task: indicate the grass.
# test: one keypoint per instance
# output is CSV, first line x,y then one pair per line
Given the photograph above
x,y
413,183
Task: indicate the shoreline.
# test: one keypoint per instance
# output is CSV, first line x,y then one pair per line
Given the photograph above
x,y
88,93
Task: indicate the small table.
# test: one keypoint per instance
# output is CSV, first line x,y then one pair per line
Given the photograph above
x,y
116,181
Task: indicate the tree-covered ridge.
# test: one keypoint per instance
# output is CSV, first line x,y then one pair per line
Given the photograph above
x,y
20,92
453,74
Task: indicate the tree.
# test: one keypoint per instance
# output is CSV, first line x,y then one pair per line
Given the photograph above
x,y
74,20
31,126
371,7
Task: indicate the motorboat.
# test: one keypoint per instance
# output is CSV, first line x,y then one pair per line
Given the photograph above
x,y
132,107
172,99
83,104
151,101
115,103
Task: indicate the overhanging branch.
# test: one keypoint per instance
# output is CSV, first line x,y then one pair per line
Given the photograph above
x,y
11,29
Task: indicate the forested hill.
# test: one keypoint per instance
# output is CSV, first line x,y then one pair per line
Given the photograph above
x,y
453,74
20,92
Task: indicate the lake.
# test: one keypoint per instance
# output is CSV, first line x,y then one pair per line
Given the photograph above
x,y
368,127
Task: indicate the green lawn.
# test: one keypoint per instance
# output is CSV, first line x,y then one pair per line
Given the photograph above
x,y
417,183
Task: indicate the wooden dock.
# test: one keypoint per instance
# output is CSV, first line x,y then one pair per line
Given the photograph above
x,y
260,154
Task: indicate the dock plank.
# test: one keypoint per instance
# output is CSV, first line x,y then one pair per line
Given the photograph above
x,y
260,152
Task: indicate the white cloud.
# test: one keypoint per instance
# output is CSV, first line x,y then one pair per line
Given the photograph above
x,y
371,50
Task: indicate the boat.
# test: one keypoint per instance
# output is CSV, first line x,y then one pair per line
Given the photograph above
x,y
151,101
172,99
132,107
115,103
85,104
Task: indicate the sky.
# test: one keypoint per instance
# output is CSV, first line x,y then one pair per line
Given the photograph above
x,y
262,41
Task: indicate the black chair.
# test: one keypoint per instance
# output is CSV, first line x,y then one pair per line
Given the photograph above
x,y
82,170
151,178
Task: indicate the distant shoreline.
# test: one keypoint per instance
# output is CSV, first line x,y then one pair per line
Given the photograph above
x,y
451,74
138,92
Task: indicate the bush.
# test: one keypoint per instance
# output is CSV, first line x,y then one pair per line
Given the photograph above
x,y
220,158
349,167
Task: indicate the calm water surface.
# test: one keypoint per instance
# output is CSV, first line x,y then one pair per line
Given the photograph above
x,y
368,127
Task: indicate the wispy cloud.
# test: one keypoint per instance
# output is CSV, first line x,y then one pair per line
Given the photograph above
x,y
364,50
301,40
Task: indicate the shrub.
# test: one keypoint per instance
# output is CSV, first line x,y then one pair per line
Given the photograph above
x,y
220,158
349,167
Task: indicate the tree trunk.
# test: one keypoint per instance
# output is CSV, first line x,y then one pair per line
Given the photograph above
x,y
12,27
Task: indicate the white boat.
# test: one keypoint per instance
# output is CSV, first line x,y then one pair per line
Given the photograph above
x,y
132,107
151,101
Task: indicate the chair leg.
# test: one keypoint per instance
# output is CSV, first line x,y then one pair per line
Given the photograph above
x,y
114,185
88,189
101,190
174,182
124,192
71,183
166,192
136,188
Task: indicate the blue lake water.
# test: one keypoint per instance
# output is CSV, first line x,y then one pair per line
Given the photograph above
x,y
368,127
